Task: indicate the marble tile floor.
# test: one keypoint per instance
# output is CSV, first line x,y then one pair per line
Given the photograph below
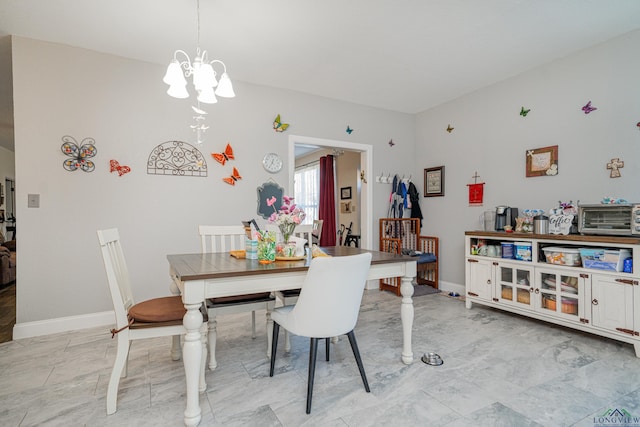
x,y
499,370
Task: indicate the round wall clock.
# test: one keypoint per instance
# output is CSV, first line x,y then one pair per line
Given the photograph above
x,y
272,163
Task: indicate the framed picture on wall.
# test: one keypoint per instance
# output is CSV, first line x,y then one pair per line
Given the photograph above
x,y
345,193
542,161
434,182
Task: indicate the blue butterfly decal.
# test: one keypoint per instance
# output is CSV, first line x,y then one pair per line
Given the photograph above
x,y
79,156
349,130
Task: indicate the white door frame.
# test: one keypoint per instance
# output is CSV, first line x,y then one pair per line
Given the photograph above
x,y
366,165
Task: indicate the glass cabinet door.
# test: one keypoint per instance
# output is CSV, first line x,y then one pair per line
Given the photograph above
x,y
560,293
514,282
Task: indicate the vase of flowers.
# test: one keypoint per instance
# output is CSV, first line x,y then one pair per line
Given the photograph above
x,y
286,218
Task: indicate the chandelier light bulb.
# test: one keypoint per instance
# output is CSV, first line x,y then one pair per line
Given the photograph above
x,y
225,88
207,96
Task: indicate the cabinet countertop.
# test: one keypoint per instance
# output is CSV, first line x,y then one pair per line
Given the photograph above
x,y
559,237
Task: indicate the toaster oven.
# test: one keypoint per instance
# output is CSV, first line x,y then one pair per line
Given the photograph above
x,y
619,219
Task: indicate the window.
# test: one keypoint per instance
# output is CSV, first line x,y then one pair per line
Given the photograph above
x,y
307,190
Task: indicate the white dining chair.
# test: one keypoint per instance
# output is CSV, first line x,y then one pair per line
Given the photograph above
x,y
216,239
317,232
328,306
152,318
290,296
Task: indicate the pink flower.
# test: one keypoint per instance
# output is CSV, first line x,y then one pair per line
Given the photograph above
x,y
271,201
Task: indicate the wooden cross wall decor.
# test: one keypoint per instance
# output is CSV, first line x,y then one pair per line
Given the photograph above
x,y
615,165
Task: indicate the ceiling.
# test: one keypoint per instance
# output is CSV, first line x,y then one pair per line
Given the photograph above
x,y
400,55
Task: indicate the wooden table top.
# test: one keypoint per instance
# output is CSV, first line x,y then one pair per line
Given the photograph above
x,y
218,265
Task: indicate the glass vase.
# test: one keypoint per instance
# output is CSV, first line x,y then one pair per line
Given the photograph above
x,y
287,231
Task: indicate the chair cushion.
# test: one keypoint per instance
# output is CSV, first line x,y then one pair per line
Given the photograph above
x,y
426,257
158,310
10,244
291,293
240,299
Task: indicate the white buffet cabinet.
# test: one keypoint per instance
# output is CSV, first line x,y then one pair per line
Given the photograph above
x,y
602,302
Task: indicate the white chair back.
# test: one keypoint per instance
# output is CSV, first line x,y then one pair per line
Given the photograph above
x,y
221,238
117,274
317,230
304,231
330,298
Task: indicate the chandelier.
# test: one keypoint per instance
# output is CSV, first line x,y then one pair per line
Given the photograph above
x,y
203,76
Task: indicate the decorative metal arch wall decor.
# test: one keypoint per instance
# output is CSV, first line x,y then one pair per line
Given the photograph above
x,y
266,191
176,158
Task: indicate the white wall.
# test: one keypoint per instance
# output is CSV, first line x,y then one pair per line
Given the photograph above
x,y
122,104
347,173
490,137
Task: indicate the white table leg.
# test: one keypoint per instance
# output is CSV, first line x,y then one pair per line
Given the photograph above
x,y
176,351
192,357
406,315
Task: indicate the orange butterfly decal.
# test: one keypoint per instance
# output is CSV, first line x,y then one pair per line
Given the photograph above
x,y
233,178
115,167
223,157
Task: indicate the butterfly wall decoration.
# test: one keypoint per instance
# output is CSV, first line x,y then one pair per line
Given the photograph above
x,y
391,143
349,130
79,156
223,157
235,176
278,126
588,108
114,166
449,128
524,112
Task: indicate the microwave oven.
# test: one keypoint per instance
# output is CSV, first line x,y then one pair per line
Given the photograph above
x,y
619,219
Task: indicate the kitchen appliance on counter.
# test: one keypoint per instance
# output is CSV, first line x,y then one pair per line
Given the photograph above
x,y
540,224
505,215
621,219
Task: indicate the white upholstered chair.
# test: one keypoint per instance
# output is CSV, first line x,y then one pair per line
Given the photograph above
x,y
223,239
328,306
157,317
288,297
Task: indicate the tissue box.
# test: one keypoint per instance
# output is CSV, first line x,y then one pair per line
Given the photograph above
x,y
604,259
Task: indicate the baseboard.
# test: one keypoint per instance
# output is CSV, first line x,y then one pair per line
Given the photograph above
x,y
442,286
62,324
451,287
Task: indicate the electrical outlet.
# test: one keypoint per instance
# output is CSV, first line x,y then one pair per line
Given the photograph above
x,y
33,201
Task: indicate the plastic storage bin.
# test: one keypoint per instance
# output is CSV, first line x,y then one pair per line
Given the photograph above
x,y
604,259
562,256
523,251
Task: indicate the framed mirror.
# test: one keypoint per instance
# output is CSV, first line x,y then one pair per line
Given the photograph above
x,y
266,191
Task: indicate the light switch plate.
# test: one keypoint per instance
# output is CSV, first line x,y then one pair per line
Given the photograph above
x,y
33,201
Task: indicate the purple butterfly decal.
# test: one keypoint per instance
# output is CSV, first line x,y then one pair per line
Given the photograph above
x,y
588,108
391,143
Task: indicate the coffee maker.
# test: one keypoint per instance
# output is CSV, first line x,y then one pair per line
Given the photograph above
x,y
505,215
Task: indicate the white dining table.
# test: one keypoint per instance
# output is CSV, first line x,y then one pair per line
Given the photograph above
x,y
209,275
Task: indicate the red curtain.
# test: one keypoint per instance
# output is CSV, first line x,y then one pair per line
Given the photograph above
x,y
327,208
